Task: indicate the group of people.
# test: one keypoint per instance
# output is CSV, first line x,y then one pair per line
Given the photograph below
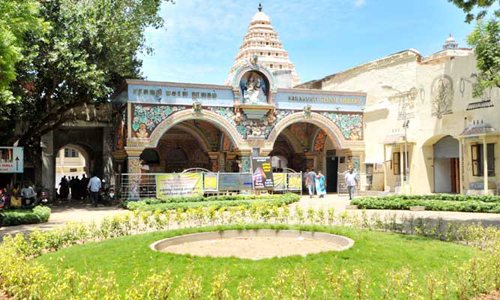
x,y
316,183
73,186
17,196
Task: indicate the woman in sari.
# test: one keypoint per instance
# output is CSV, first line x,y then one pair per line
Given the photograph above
x,y
321,185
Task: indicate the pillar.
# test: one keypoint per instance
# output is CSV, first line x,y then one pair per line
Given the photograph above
x,y
131,183
460,163
401,167
245,157
107,156
48,162
222,162
214,161
485,165
385,167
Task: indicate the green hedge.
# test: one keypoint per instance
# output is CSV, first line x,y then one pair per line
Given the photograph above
x,y
39,214
462,203
215,201
445,197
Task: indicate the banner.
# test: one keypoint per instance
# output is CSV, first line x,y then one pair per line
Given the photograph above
x,y
182,184
11,160
294,181
262,173
279,181
235,181
210,182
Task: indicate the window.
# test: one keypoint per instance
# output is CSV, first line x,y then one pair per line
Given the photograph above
x,y
396,163
477,159
68,152
271,66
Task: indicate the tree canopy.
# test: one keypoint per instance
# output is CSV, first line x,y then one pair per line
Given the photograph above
x,y
482,6
89,49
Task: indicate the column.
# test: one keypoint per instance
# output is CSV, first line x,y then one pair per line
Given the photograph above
x,y
222,162
401,167
107,156
460,162
48,162
245,161
131,181
214,161
485,165
385,167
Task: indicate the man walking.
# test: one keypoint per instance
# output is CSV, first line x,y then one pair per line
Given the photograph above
x,y
351,181
311,182
94,186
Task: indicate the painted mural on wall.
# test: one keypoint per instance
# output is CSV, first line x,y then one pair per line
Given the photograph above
x,y
319,144
351,125
442,96
145,118
254,88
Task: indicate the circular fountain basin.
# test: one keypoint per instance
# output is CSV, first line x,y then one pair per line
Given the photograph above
x,y
253,244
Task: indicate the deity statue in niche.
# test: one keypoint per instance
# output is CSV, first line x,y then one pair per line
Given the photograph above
x,y
254,88
142,133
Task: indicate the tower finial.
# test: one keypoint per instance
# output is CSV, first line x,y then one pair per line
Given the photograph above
x,y
260,6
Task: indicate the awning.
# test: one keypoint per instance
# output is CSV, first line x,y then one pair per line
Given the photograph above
x,y
479,128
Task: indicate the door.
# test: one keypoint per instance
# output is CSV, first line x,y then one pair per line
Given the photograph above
x,y
332,167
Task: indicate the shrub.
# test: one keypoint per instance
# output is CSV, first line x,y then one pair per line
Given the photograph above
x,y
215,201
39,214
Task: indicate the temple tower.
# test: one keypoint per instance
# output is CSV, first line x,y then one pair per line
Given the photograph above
x,y
262,40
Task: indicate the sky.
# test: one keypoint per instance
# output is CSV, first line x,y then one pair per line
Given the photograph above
x,y
201,38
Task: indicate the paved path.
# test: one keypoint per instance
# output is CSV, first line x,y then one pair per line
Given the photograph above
x,y
86,213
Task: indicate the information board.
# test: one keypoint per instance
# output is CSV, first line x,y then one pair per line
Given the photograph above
x,y
295,181
11,160
182,184
235,181
262,173
210,182
279,181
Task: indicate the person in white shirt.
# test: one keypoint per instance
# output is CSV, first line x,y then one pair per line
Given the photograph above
x,y
351,181
94,186
28,195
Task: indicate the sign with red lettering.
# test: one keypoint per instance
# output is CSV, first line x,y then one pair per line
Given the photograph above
x,y
11,160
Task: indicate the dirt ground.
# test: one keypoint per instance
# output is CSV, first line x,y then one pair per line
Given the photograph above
x,y
254,247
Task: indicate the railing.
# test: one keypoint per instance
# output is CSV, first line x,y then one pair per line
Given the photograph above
x,y
134,186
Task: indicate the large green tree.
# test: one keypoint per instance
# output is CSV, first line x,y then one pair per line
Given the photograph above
x,y
476,8
18,20
88,51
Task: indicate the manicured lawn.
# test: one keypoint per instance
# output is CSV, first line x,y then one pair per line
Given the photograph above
x,y
375,252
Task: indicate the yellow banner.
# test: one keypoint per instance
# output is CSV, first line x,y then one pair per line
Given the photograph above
x,y
294,182
179,185
279,181
210,183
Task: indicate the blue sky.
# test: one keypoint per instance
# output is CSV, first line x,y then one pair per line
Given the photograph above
x,y
201,37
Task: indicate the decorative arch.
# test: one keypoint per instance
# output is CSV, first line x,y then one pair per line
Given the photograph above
x,y
434,139
292,140
322,122
186,115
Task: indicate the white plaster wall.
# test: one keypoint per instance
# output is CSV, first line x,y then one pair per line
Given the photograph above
x,y
442,171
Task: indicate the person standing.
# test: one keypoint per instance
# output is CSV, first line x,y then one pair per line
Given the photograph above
x,y
321,185
94,186
351,181
311,182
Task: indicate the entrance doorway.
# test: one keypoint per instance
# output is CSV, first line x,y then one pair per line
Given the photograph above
x,y
332,167
446,166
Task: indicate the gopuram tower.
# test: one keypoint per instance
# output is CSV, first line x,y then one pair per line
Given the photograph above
x,y
262,40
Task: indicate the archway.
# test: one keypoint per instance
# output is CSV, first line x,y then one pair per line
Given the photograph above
x,y
446,165
74,164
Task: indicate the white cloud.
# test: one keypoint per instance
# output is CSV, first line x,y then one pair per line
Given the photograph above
x,y
359,3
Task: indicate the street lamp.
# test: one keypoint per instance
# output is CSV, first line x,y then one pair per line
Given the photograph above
x,y
406,122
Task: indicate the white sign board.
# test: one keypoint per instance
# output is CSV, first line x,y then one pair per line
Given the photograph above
x,y
11,160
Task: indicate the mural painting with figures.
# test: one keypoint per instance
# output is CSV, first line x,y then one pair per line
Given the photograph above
x,y
254,88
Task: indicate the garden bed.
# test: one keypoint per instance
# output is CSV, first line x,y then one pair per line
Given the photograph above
x,y
376,253
179,203
484,204
39,214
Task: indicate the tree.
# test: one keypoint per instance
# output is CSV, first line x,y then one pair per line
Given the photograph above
x,y
17,20
486,42
482,5
90,48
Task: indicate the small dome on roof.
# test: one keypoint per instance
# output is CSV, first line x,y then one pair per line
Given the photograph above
x,y
450,39
450,43
261,17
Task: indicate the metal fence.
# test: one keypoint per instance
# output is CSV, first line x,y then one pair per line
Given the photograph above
x,y
134,186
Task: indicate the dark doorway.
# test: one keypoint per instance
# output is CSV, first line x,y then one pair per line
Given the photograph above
x,y
332,168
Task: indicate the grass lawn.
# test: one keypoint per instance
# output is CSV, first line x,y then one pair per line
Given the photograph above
x,y
374,252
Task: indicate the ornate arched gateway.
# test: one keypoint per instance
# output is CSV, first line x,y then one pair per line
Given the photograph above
x,y
233,122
